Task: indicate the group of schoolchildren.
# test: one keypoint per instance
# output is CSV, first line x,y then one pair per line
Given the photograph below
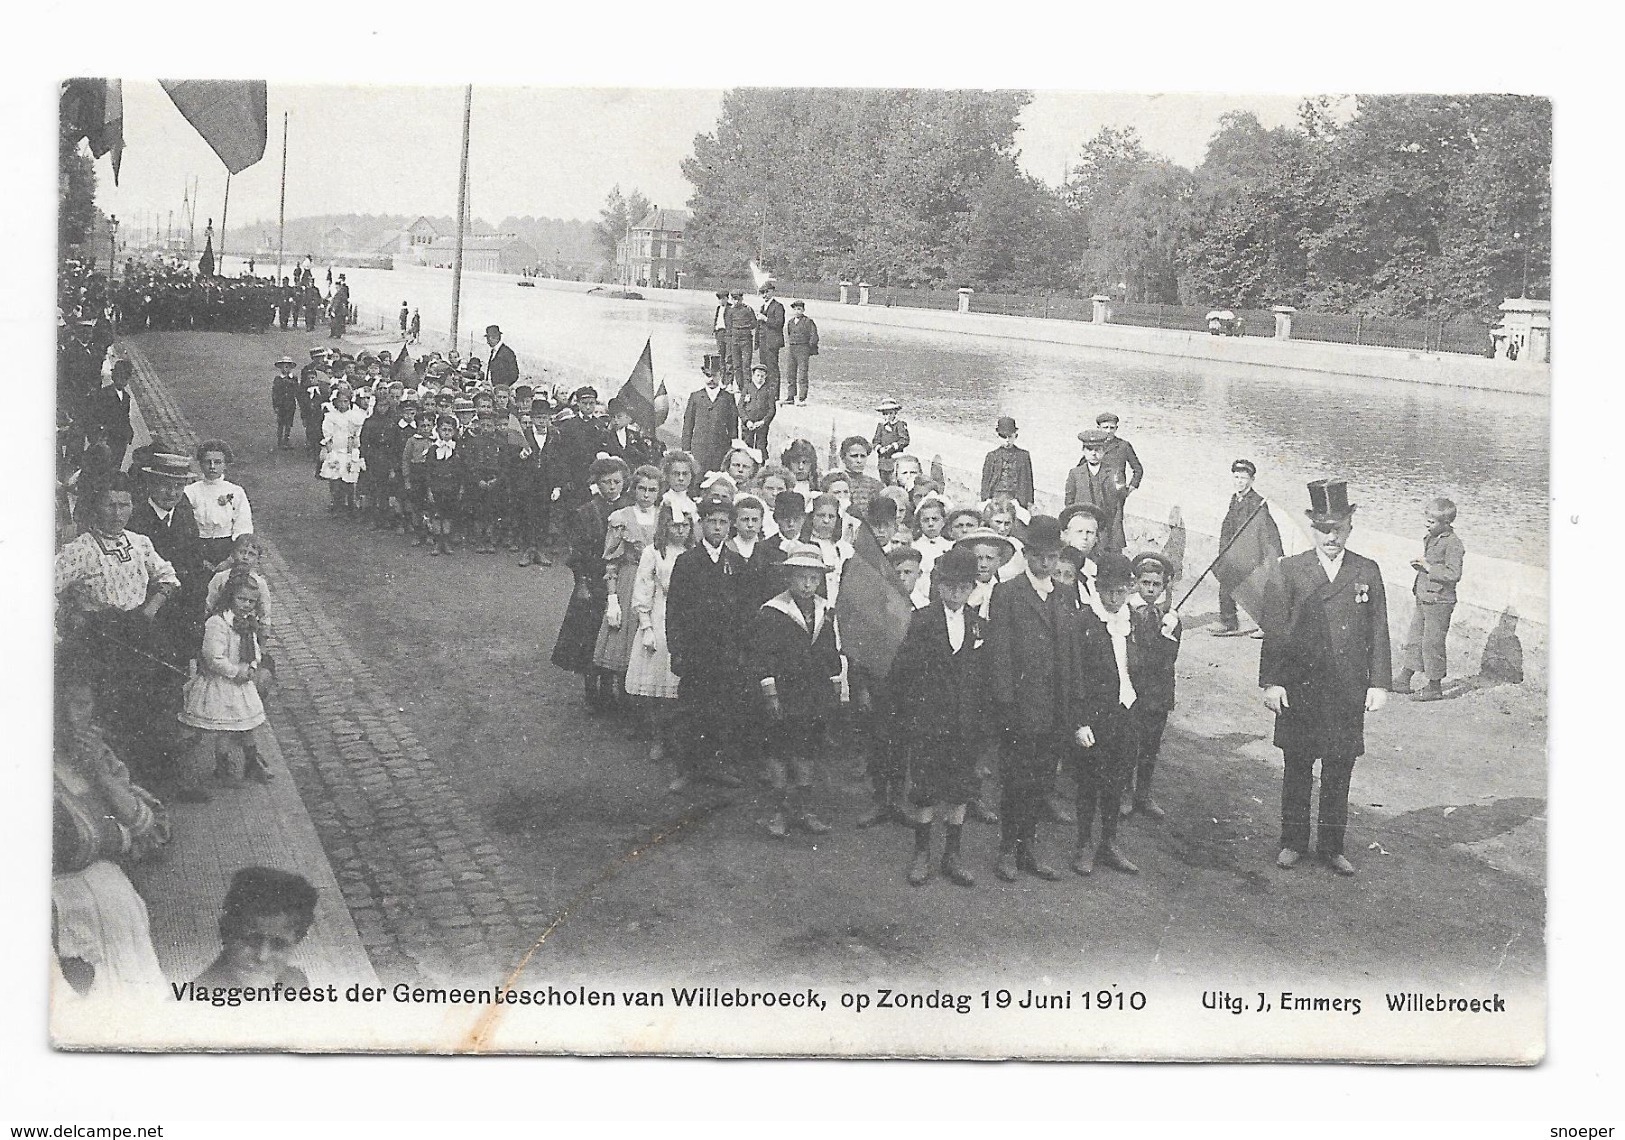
x,y
705,609
443,454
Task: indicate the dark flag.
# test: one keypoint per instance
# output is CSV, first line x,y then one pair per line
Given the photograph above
x,y
93,109
205,264
650,403
400,367
872,609
1248,559
229,114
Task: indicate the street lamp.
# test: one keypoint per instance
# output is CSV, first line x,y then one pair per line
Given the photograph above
x,y
112,245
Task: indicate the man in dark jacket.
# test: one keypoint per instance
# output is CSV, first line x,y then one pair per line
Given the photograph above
x,y
770,336
110,408
758,402
577,440
1248,535
801,337
710,420
1324,664
502,367
1100,484
741,320
1023,649
163,513
704,630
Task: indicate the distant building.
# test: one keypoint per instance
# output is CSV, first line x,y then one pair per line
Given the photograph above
x,y
337,241
488,253
651,254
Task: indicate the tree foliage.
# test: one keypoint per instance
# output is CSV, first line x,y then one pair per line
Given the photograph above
x,y
1407,205
76,194
620,212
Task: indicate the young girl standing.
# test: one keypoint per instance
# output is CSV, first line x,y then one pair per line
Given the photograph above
x,y
648,673
341,447
679,472
629,530
222,701
578,632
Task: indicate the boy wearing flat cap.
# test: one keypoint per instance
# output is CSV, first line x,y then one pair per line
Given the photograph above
x,y
1324,664
1102,485
1153,652
1249,537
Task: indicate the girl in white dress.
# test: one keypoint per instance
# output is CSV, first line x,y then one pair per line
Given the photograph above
x,y
680,472
648,673
341,447
222,702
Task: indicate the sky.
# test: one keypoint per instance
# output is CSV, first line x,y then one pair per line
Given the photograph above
x,y
547,152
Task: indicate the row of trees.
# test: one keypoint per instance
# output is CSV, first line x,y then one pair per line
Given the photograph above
x,y
1408,206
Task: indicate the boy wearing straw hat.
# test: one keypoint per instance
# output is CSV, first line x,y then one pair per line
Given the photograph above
x,y
1324,664
793,655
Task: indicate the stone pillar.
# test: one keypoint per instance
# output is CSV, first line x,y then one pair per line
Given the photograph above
x,y
1528,324
1099,301
1283,321
964,300
846,287
863,292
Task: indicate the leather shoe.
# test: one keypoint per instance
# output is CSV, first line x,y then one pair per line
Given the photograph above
x,y
1340,864
1039,869
1287,859
1150,808
777,827
955,873
1431,693
1006,868
1227,631
1116,860
981,813
1083,863
920,871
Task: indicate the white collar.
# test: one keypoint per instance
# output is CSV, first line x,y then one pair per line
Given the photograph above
x,y
786,605
1331,565
715,552
1041,586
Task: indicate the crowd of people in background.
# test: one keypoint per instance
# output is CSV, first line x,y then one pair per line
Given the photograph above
x,y
725,599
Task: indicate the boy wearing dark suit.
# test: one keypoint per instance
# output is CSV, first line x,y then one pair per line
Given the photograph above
x,y
1099,695
1153,650
1023,650
794,659
938,689
757,405
1324,664
1008,468
1100,484
703,631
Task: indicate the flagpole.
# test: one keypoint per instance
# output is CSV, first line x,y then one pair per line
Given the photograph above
x,y
1262,503
220,258
462,208
282,197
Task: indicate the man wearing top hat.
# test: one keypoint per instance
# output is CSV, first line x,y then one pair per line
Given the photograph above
x,y
502,366
710,420
1102,485
801,338
770,336
1325,663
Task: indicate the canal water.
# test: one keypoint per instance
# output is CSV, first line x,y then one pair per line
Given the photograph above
x,y
1398,444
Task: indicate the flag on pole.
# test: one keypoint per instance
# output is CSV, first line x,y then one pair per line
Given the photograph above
x,y
398,368
648,398
229,114
872,609
1244,566
205,264
93,109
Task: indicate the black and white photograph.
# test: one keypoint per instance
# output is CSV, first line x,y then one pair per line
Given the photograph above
x,y
947,572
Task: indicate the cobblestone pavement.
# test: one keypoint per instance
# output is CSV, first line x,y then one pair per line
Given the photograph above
x,y
429,899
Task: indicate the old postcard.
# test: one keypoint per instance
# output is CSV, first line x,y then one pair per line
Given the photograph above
x,y
909,572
